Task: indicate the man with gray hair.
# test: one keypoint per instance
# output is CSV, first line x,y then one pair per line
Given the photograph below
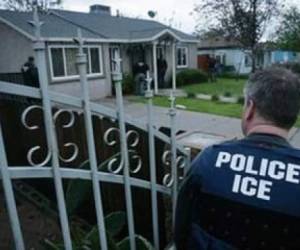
x,y
244,194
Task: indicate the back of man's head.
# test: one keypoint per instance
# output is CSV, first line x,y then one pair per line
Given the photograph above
x,y
276,95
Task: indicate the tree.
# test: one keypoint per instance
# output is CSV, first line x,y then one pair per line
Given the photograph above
x,y
244,21
288,34
28,5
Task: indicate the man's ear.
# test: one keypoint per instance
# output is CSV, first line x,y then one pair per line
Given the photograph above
x,y
250,110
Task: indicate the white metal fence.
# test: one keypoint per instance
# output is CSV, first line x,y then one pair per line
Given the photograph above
x,y
119,172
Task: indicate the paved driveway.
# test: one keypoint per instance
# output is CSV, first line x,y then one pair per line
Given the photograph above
x,y
191,121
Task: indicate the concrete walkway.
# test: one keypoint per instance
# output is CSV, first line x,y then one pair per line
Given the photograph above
x,y
191,121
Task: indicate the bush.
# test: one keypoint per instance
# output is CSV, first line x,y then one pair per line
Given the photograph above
x,y
191,95
128,84
232,75
294,67
227,94
215,98
190,76
241,100
228,69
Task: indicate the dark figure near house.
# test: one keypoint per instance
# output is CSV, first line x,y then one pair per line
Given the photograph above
x,y
139,72
162,67
244,194
212,69
30,73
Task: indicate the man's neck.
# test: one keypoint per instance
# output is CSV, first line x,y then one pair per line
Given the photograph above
x,y
269,129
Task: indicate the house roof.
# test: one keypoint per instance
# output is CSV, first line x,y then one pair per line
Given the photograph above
x,y
52,25
61,24
218,43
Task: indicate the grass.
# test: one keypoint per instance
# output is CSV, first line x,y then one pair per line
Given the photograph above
x,y
217,108
221,87
196,105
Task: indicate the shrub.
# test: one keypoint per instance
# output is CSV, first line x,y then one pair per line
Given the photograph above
x,y
232,75
294,67
190,76
228,69
128,84
215,98
191,95
227,94
241,100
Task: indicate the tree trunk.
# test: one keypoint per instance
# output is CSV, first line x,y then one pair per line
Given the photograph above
x,y
253,64
253,58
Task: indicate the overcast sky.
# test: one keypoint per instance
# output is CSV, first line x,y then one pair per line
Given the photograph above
x,y
179,10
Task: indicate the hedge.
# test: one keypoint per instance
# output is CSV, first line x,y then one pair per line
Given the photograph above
x,y
190,76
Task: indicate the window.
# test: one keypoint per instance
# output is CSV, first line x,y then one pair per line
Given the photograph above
x,y
182,57
71,61
63,61
94,60
248,61
224,59
57,62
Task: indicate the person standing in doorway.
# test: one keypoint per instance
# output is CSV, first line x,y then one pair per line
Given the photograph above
x,y
162,67
30,73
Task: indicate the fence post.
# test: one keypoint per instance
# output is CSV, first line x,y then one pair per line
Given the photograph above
x,y
117,77
81,61
188,161
39,48
172,114
10,198
149,97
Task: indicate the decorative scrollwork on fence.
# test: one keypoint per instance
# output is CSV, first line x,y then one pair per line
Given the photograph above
x,y
73,156
115,165
136,138
33,151
30,157
71,116
68,124
25,114
181,163
108,136
166,160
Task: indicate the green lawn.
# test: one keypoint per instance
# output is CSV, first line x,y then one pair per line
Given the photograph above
x,y
192,104
222,86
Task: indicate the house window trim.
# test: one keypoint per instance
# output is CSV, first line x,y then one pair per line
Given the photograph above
x,y
74,77
187,57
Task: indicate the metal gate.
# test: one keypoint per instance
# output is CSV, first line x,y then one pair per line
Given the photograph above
x,y
176,156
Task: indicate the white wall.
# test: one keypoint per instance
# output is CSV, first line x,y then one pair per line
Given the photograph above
x,y
98,88
15,49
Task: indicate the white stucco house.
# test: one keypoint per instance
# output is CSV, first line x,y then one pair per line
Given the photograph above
x,y
229,53
107,37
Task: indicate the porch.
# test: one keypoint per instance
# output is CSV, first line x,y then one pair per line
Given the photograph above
x,y
162,56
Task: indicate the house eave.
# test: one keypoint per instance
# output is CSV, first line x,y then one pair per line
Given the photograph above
x,y
113,40
14,27
100,40
219,47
